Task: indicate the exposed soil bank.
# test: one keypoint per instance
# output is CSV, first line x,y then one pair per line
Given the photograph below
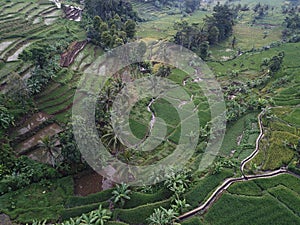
x,y
67,58
89,182
33,141
33,122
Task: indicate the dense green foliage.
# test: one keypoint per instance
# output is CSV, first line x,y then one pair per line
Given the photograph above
x,y
112,33
279,195
45,58
43,200
254,72
217,28
108,9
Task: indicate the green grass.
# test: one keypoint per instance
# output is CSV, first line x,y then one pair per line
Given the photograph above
x,y
138,215
192,221
294,117
75,201
286,180
259,201
60,100
138,129
275,155
162,27
37,201
52,93
288,197
8,68
68,213
234,131
199,192
62,106
248,37
138,198
275,150
249,188
249,210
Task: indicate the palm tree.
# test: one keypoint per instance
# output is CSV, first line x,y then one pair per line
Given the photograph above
x,y
51,150
121,194
112,140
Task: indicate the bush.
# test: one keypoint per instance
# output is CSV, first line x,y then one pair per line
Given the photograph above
x,y
43,200
138,198
7,159
25,172
139,215
102,196
25,215
78,211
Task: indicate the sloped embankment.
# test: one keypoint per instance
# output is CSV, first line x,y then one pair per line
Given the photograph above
x,y
67,58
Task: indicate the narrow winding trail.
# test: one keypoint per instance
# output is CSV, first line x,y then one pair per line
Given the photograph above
x,y
226,184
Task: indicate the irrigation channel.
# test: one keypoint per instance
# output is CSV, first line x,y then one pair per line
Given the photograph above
x,y
218,192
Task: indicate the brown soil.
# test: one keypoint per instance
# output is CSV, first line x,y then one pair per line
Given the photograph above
x,y
67,58
32,122
89,182
50,130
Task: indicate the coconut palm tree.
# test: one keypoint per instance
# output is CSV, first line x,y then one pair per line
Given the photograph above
x,y
121,194
52,152
112,140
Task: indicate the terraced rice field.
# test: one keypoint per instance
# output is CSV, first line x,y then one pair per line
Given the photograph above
x,y
282,136
257,202
23,23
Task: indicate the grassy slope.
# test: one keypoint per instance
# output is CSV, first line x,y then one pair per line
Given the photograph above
x,y
44,200
258,202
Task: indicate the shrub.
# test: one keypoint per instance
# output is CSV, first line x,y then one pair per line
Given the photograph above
x,y
78,211
75,201
137,198
139,214
24,172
